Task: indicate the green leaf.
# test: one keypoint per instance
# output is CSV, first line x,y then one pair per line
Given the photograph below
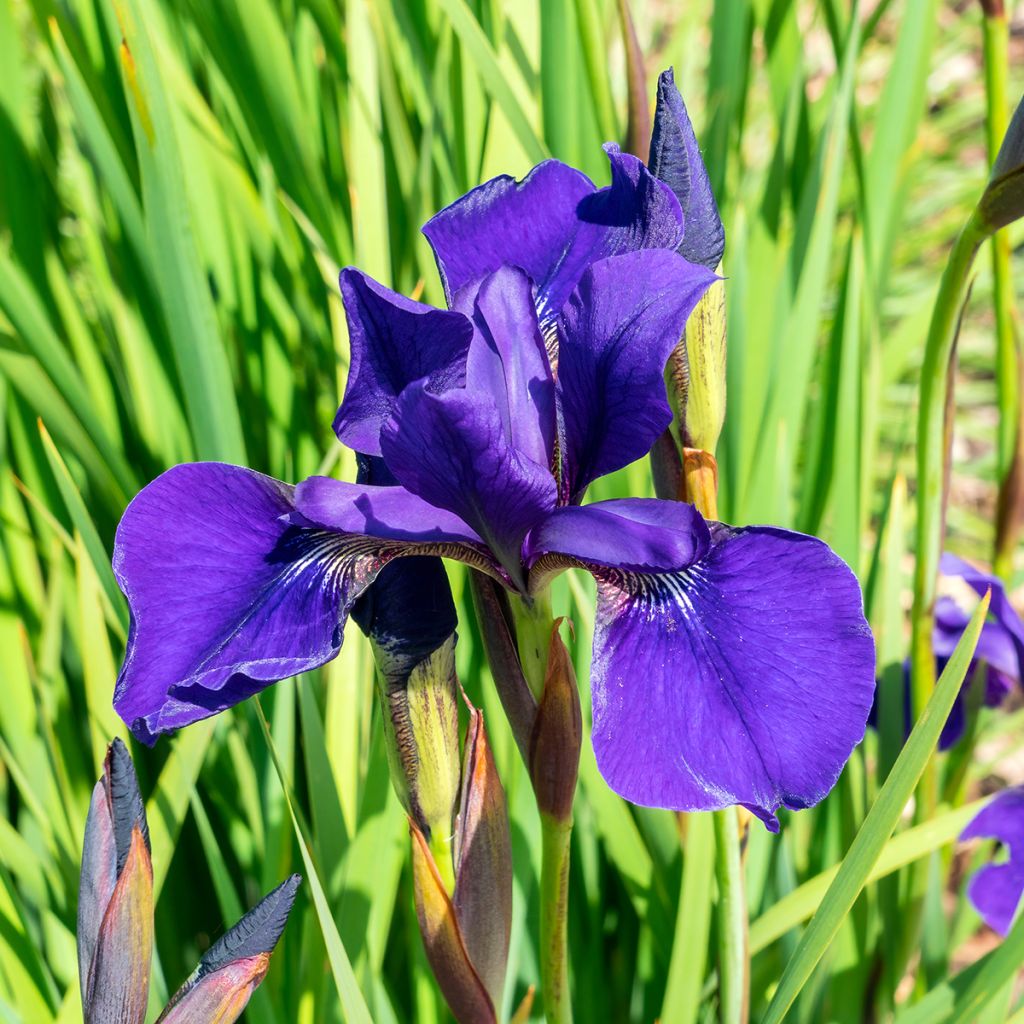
x,y
878,826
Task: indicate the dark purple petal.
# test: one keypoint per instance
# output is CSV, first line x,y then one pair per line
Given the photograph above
x,y
394,341
676,160
408,612
740,676
996,889
231,590
617,331
508,362
642,535
451,451
553,224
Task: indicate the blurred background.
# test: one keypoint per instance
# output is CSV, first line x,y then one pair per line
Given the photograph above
x,y
180,181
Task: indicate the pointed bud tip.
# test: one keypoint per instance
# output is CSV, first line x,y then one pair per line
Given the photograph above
x,y
126,806
258,932
557,735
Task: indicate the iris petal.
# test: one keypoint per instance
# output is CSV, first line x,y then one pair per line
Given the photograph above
x,y
394,342
508,361
996,889
742,674
553,224
451,451
617,331
231,590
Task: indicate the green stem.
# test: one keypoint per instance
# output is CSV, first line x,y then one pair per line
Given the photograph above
x,y
554,915
932,448
733,959
996,50
534,623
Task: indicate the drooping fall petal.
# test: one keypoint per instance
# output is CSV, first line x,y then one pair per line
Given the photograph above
x,y
730,666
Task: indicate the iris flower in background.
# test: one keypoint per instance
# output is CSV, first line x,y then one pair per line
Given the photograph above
x,y
115,920
729,665
1000,648
997,888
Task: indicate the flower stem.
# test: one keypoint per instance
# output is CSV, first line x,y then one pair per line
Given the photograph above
x,y
554,916
1010,456
932,450
534,626
733,960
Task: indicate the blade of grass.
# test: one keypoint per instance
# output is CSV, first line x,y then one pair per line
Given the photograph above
x,y
352,1003
878,825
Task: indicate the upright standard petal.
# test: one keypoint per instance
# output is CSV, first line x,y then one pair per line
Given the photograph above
x,y
738,669
616,333
996,889
394,341
508,361
451,451
553,224
675,159
231,590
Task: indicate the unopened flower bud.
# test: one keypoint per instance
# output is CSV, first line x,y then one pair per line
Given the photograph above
x,y
234,965
557,735
697,372
466,932
115,901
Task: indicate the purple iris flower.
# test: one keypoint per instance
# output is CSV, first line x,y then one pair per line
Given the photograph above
x,y
730,666
1000,648
996,889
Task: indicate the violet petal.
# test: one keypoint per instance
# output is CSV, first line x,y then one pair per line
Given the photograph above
x,y
741,674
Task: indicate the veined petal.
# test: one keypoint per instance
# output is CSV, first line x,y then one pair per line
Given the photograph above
x,y
451,451
508,361
616,333
553,224
394,341
996,889
676,160
231,590
741,675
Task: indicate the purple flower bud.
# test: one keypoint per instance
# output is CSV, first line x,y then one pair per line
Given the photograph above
x,y
234,965
115,901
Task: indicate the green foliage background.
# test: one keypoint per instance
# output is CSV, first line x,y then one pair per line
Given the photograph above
x,y
180,181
